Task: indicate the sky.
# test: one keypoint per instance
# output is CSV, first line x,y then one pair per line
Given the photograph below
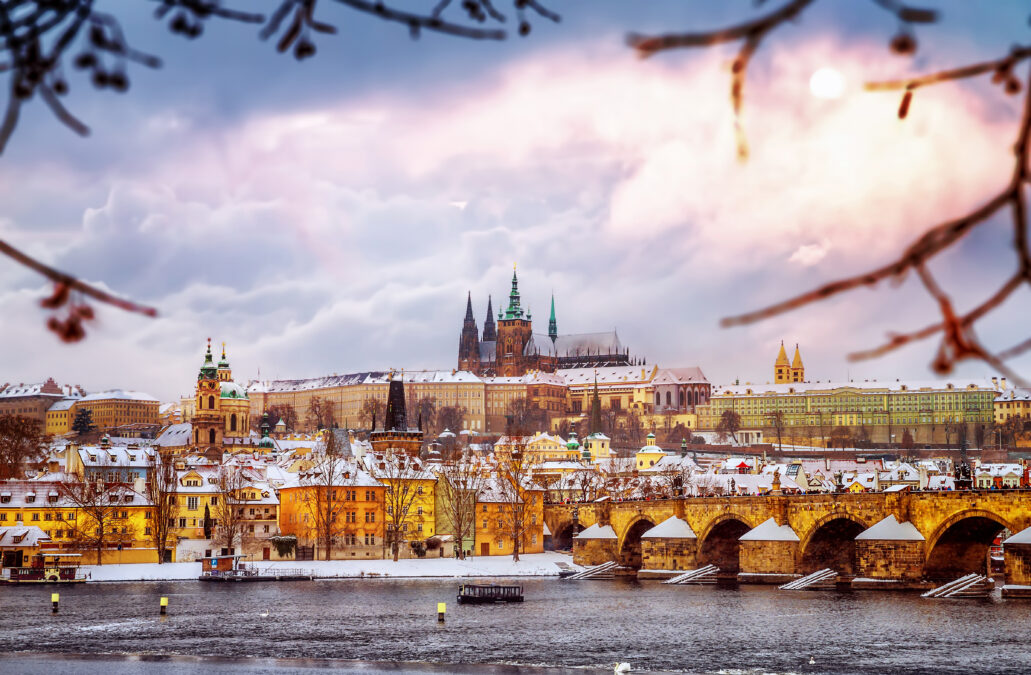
x,y
330,216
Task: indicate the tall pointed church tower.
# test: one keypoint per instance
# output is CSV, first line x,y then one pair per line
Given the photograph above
x,y
207,419
469,342
782,367
797,369
490,333
514,331
552,323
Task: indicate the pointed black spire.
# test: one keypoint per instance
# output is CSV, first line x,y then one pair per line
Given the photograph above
x,y
490,332
397,417
469,308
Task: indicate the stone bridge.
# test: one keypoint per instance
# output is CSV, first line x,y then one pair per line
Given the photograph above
x,y
954,531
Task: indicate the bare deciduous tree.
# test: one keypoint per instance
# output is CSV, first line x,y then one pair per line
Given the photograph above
x,y
22,445
518,496
328,481
101,518
320,414
373,411
459,480
162,490
405,479
228,511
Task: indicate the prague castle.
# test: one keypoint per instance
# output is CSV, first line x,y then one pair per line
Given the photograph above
x,y
511,348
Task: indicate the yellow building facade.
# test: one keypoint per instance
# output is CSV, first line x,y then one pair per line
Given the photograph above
x,y
932,411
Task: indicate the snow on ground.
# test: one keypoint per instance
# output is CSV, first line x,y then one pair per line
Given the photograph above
x,y
532,565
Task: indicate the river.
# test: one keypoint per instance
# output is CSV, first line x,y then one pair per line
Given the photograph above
x,y
374,625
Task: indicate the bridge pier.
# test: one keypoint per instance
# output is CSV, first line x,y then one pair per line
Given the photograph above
x,y
948,535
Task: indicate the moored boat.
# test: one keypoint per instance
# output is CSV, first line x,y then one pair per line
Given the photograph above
x,y
488,593
46,568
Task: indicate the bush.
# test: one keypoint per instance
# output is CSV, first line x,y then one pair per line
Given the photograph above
x,y
432,544
284,544
418,548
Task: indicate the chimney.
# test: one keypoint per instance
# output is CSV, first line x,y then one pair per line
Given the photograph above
x,y
1004,384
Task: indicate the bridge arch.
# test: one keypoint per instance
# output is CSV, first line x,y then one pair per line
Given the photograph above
x,y
831,543
960,544
562,540
718,542
630,542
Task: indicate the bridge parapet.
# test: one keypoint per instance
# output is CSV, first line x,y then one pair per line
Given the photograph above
x,y
957,528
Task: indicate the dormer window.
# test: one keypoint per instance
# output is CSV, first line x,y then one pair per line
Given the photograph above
x,y
30,498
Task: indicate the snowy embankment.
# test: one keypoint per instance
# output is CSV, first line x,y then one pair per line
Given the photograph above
x,y
533,565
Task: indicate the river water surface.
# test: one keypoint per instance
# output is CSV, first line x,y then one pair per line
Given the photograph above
x,y
367,625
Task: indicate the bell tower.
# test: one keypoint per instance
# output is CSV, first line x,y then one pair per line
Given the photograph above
x,y
207,420
781,367
514,331
797,368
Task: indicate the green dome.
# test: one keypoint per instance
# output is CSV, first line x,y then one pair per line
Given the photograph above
x,y
573,444
233,390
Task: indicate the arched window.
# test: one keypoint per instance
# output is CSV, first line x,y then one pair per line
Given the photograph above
x,y
669,399
211,402
211,435
196,435
232,422
658,398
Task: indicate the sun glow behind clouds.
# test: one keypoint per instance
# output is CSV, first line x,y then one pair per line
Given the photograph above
x,y
827,83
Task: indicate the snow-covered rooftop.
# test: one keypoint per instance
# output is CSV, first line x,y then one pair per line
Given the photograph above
x,y
890,529
769,530
671,528
1022,537
872,386
121,395
598,532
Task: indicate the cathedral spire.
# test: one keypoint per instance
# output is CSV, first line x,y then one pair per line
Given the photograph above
x,y
514,311
552,323
469,307
490,333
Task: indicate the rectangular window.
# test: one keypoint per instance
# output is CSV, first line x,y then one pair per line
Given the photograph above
x,y
191,503
35,516
146,531
370,540
370,516
47,516
182,522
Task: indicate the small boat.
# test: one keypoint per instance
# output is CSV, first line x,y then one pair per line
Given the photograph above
x,y
235,568
477,594
46,568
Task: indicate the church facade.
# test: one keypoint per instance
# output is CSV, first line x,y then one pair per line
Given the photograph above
x,y
510,348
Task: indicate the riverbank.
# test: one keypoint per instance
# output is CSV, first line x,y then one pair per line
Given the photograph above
x,y
157,664
531,565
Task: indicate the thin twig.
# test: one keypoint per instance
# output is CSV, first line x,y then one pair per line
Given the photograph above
x,y
59,277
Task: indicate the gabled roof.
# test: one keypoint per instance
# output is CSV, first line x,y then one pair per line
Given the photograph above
x,y
769,530
890,529
597,532
691,375
671,528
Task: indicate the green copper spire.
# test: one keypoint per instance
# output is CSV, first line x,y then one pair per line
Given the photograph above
x,y
207,371
514,311
552,323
